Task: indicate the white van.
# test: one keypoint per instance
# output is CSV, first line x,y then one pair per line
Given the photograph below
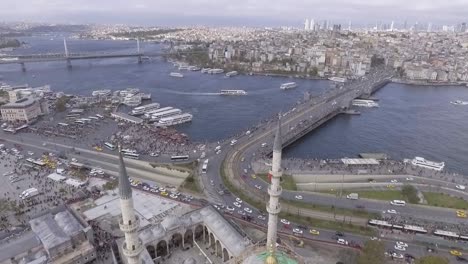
x,y
398,203
233,142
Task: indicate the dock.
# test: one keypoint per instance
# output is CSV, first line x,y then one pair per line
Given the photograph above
x,y
377,156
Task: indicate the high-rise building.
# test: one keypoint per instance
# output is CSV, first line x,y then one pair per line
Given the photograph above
x,y
312,24
349,26
391,26
463,27
429,27
129,223
306,24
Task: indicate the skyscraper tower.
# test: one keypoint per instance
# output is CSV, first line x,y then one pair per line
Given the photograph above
x,y
306,24
429,27
129,223
391,26
274,190
312,24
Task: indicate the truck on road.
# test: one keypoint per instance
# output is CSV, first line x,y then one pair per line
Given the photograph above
x,y
352,196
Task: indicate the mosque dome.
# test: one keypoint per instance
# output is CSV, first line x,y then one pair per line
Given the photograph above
x,y
190,261
271,260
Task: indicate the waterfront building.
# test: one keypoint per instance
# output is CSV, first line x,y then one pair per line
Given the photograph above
x,y
24,110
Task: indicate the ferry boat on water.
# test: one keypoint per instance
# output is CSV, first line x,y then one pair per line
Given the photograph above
x,y
193,68
215,71
459,102
183,67
132,100
422,162
233,92
144,96
159,115
148,114
140,110
175,120
104,92
337,79
231,73
288,85
364,103
129,92
205,70
176,74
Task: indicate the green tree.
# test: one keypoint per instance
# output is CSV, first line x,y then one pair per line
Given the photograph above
x,y
373,252
110,185
432,260
410,193
60,104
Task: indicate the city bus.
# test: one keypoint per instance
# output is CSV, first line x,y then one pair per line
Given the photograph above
x,y
205,166
398,203
63,124
131,155
100,116
81,122
35,162
179,158
109,146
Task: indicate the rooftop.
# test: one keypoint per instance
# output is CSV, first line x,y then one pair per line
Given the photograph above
x,y
23,102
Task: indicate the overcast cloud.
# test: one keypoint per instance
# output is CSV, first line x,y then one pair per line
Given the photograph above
x,y
235,12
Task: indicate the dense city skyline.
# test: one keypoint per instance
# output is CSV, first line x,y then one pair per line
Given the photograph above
x,y
249,13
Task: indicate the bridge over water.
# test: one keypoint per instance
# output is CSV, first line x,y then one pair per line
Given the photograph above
x,y
68,56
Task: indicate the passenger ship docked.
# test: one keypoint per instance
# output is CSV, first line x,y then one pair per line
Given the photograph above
x,y
176,74
144,109
215,71
104,92
231,73
175,120
205,70
422,162
289,85
364,103
337,79
233,92
132,100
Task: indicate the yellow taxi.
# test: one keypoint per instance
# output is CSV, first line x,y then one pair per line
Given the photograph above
x,y
390,186
164,194
314,232
254,176
461,214
98,148
455,253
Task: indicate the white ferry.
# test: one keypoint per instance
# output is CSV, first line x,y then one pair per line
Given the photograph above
x,y
459,102
422,162
145,96
289,85
183,67
176,74
148,114
145,108
193,68
233,92
175,120
231,73
129,92
104,92
168,113
364,103
132,100
205,70
215,71
337,79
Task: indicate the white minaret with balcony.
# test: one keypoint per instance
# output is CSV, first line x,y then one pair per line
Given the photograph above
x,y
129,223
274,190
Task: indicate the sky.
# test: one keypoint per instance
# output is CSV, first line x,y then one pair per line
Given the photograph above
x,y
234,12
